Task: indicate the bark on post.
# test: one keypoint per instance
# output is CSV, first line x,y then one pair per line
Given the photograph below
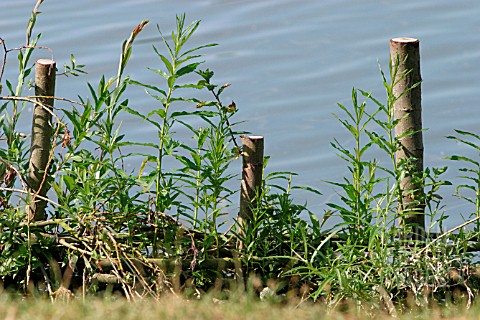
x,y
251,185
40,146
252,154
405,57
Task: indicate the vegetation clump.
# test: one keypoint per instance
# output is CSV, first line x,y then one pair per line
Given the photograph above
x,y
159,228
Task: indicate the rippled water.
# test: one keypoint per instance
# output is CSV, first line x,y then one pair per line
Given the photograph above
x,y
290,62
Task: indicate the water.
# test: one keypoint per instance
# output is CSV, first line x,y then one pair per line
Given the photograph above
x,y
290,62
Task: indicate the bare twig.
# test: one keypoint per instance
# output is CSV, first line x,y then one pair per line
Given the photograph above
x,y
4,61
24,183
63,242
26,192
31,99
446,233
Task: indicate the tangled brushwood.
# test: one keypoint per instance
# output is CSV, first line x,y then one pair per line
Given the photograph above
x,y
85,224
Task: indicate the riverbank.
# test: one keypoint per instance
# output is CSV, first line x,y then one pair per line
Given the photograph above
x,y
176,308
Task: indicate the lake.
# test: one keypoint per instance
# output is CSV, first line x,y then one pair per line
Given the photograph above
x,y
289,62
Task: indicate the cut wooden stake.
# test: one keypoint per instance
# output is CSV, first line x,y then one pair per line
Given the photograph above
x,y
251,185
40,146
252,153
405,58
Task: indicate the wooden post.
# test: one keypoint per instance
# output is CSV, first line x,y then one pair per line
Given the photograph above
x,y
252,154
251,185
40,146
405,58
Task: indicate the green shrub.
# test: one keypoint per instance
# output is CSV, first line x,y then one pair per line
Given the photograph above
x,y
157,228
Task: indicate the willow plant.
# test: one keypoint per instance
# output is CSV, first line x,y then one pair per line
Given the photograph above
x,y
178,64
470,172
105,223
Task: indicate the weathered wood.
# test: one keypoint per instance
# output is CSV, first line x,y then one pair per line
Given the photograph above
x,y
40,146
251,185
405,58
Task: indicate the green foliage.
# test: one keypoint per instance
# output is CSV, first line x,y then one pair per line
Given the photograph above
x,y
159,227
373,261
73,69
471,171
100,210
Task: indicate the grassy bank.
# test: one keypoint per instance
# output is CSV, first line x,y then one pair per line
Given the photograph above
x,y
175,308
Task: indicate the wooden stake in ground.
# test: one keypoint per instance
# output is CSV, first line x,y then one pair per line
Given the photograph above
x,y
252,154
251,185
405,57
40,146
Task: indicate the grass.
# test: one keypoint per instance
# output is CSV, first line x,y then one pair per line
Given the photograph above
x,y
168,308
154,230
177,308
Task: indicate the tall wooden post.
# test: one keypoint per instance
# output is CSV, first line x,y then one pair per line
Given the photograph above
x,y
252,154
251,185
40,146
405,58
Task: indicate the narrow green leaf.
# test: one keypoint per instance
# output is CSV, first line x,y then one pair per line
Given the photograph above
x,y
198,48
163,100
152,87
189,86
313,190
160,112
188,69
463,158
195,113
160,72
188,58
166,62
467,133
